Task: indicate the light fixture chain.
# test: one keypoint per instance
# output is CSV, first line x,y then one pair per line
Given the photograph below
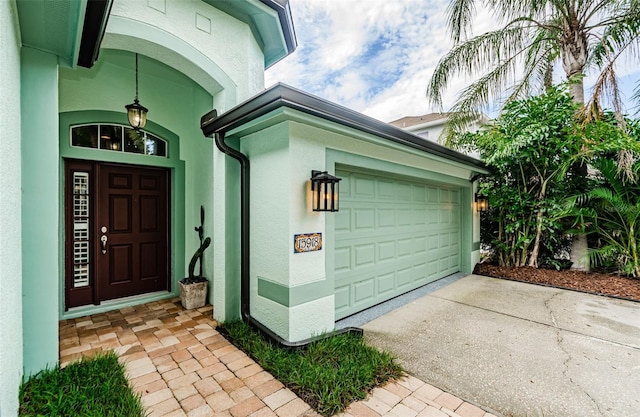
x,y
136,76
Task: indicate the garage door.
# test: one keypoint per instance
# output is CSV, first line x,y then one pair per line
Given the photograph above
x,y
392,235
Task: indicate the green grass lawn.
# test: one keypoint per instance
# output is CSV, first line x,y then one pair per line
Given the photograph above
x,y
95,387
329,374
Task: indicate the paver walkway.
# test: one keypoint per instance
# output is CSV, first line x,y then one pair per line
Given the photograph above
x,y
182,366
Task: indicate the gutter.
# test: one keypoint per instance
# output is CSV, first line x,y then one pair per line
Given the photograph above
x,y
245,278
282,95
93,29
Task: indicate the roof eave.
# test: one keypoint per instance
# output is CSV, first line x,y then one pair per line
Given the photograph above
x,y
94,27
281,95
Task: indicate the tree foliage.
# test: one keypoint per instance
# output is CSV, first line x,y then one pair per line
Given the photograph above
x,y
610,211
585,37
530,149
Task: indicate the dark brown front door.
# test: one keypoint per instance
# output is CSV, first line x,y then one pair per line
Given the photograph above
x,y
127,216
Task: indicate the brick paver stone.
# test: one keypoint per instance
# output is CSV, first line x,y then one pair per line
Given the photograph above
x,y
414,403
202,411
359,409
279,398
207,386
184,392
211,370
241,394
432,412
164,408
156,397
293,408
220,401
182,366
401,410
398,390
183,381
190,365
377,405
449,401
264,412
258,379
181,355
427,393
192,402
172,374
232,384
151,387
469,410
248,371
145,379
246,407
267,388
240,363
385,396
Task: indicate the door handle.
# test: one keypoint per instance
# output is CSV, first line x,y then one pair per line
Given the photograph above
x,y
103,240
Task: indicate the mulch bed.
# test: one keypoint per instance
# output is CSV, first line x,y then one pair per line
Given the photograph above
x,y
591,282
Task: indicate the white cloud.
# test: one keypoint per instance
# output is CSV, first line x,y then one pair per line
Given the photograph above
x,y
373,56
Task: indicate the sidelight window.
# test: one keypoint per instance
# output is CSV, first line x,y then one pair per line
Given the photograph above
x,y
80,229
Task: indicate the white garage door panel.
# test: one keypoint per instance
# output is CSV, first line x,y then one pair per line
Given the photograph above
x,y
392,235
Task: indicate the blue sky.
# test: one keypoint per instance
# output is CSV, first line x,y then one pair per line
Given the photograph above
x,y
377,56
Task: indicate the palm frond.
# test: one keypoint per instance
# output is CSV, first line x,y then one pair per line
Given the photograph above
x,y
474,56
460,15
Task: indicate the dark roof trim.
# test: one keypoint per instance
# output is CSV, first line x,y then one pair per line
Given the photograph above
x,y
286,22
281,95
95,24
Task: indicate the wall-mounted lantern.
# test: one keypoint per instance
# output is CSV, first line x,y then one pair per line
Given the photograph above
x,y
325,190
482,203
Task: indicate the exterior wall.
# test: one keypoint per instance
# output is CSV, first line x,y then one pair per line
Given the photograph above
x,y
224,40
175,107
10,221
40,229
293,294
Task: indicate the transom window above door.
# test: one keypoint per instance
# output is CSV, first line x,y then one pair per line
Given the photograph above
x,y
117,138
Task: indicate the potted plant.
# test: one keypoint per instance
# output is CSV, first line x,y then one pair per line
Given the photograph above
x,y
193,289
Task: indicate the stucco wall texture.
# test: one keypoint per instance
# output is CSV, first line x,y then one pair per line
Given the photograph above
x,y
229,42
282,157
10,221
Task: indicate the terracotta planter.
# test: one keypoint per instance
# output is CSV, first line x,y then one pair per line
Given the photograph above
x,y
193,295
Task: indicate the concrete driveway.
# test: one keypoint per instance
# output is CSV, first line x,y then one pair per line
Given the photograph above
x,y
519,349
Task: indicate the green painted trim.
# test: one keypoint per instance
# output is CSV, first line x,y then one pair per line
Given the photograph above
x,y
270,31
197,65
40,206
365,164
69,119
177,197
475,246
294,296
63,28
115,305
282,114
466,226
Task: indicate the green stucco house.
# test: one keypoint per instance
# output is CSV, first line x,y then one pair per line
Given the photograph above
x,y
99,216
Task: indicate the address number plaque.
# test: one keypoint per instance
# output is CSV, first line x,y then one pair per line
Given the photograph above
x,y
307,242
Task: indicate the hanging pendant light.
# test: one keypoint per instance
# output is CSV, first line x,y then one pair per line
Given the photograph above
x,y
136,112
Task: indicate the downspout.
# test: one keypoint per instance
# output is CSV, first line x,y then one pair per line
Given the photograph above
x,y
245,296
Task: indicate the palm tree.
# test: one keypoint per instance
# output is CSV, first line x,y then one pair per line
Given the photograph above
x,y
588,36
583,35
